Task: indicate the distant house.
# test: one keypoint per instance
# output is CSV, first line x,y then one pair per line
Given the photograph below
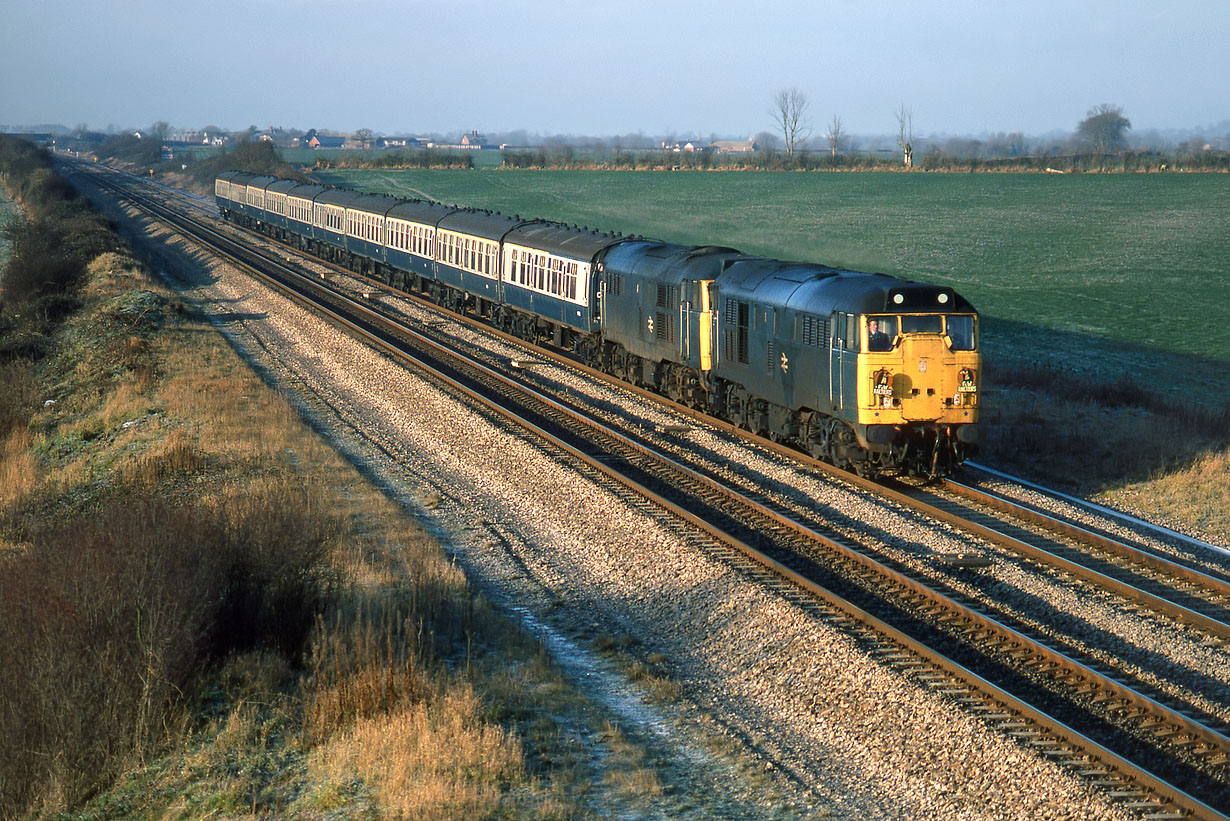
x,y
277,136
472,141
687,146
314,140
736,146
398,142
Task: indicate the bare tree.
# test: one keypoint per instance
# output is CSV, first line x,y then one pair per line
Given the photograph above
x,y
790,113
1103,129
364,136
905,134
836,135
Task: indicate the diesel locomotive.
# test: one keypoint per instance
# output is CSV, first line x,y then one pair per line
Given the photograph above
x,y
869,372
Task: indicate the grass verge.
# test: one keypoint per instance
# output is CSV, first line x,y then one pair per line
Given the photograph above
x,y
1122,442
205,610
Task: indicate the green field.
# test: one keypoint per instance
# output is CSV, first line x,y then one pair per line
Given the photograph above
x,y
1117,276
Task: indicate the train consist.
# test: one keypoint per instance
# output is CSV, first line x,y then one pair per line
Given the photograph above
x,y
866,371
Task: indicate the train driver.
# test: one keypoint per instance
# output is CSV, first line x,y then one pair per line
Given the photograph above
x,y
877,340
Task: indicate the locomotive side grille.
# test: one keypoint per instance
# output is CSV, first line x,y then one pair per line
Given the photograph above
x,y
745,321
813,331
664,326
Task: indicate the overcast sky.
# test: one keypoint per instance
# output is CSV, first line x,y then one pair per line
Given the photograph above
x,y
601,67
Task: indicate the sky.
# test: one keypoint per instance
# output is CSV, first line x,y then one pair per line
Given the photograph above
x,y
603,68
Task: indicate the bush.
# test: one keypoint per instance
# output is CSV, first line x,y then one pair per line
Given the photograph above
x,y
55,237
132,149
258,157
108,621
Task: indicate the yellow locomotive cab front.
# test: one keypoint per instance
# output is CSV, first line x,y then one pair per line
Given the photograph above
x,y
919,369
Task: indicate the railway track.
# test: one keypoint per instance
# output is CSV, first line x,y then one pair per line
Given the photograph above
x,y
1154,757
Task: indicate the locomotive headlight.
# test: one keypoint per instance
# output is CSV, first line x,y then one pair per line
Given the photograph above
x,y
898,299
943,299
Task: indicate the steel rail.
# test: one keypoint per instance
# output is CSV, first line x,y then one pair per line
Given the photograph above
x,y
1102,510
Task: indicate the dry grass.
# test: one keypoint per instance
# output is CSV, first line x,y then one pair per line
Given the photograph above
x,y
636,781
432,758
19,470
1093,437
1197,495
177,455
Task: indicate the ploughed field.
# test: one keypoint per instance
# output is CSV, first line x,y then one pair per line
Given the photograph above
x,y
1110,276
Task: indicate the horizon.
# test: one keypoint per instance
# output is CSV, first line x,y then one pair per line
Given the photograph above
x,y
1173,132
614,68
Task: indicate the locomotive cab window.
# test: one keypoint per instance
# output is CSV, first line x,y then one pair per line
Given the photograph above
x,y
845,332
960,331
881,332
922,324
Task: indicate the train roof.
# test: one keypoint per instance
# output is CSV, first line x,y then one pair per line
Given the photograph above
x,y
562,240
342,197
880,293
422,212
281,186
306,190
485,224
669,261
374,203
820,290
261,181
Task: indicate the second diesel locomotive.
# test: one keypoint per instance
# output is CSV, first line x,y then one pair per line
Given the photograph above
x,y
869,372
